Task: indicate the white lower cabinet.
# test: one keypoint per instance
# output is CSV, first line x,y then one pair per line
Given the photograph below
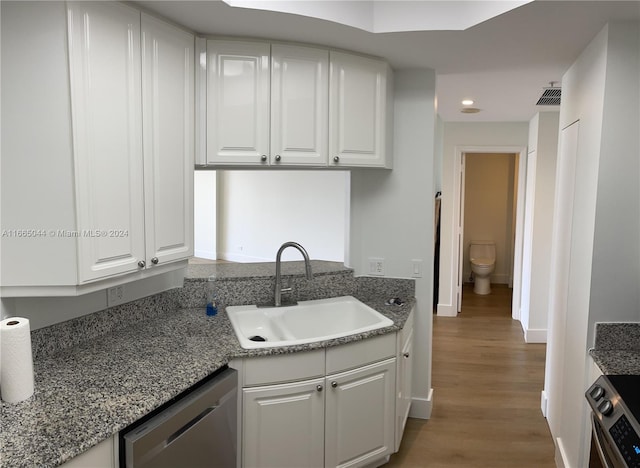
x,y
404,378
295,415
283,425
103,455
360,409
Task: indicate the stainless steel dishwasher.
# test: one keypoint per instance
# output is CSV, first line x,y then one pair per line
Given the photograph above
x,y
197,430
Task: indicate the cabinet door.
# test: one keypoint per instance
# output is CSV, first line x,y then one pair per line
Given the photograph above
x,y
299,105
237,102
283,425
104,58
168,129
357,111
404,382
360,409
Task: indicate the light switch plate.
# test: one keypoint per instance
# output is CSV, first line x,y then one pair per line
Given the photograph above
x,y
416,268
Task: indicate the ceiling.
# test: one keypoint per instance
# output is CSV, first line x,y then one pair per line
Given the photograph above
x,y
502,63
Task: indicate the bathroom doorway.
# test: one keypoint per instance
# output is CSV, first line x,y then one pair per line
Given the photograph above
x,y
490,202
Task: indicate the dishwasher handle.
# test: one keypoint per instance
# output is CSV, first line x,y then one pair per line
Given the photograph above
x,y
190,424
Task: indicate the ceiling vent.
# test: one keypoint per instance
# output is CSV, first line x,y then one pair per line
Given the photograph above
x,y
550,96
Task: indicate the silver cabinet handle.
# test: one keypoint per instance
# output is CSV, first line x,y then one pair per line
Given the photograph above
x,y
142,264
319,388
278,157
154,260
336,159
334,384
406,355
263,158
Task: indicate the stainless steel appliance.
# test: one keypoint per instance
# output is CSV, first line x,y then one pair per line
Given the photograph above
x,y
197,430
615,405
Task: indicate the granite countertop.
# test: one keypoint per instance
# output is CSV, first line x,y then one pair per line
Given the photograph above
x,y
617,348
88,392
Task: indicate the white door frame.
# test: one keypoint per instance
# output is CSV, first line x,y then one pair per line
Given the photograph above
x,y
458,213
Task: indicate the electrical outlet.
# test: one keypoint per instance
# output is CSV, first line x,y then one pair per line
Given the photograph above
x,y
115,296
376,266
416,268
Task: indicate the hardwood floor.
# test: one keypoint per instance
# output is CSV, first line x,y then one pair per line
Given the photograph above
x,y
487,383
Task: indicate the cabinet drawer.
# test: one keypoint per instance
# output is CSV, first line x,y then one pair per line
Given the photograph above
x,y
283,367
360,353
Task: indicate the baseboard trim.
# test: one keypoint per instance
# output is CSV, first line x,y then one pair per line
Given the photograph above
x,y
447,310
535,335
421,407
543,402
561,455
208,254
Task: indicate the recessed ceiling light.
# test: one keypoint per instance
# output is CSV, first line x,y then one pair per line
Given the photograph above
x,y
467,102
470,110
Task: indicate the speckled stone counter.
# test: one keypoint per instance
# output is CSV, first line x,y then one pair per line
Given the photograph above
x,y
142,356
617,348
204,271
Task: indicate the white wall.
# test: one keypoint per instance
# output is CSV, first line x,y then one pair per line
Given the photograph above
x,y
488,209
465,134
596,237
543,150
260,210
204,214
392,213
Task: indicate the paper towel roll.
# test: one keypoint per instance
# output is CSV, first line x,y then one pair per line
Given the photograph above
x,y
16,369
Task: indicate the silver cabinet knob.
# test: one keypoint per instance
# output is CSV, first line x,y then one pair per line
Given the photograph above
x,y
154,260
263,158
278,157
336,159
406,355
319,388
142,264
334,384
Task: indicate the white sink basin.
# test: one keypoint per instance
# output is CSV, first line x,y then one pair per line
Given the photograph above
x,y
306,322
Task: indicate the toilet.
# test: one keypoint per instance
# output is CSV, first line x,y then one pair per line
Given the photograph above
x,y
483,262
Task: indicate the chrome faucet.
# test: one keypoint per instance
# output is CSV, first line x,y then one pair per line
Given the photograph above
x,y
307,265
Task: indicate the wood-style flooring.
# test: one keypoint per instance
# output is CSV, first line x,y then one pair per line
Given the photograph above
x,y
487,383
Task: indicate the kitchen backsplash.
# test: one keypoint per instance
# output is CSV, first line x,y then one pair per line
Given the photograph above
x,y
228,289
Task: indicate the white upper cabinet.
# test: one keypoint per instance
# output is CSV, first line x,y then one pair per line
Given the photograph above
x,y
107,152
359,112
168,130
277,105
104,55
299,105
237,102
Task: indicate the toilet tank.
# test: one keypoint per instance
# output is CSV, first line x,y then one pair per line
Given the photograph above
x,y
482,249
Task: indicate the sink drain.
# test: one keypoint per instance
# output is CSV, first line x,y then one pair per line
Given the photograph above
x,y
257,338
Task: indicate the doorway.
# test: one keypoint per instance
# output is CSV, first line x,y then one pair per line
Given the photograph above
x,y
513,242
490,193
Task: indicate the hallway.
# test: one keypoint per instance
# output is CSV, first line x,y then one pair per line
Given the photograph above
x,y
487,383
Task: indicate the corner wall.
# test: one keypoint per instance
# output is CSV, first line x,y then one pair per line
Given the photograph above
x,y
392,213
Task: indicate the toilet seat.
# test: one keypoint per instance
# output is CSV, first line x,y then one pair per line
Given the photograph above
x,y
482,261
